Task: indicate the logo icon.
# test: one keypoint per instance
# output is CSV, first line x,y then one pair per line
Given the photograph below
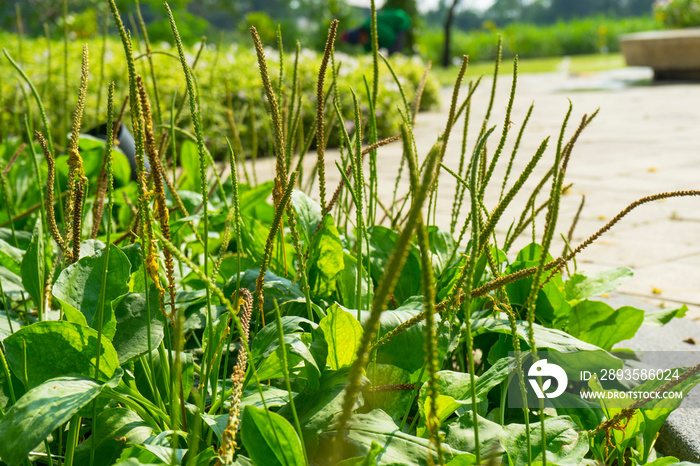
x,y
543,369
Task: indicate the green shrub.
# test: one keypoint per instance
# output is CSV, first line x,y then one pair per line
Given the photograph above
x,y
192,29
678,13
585,36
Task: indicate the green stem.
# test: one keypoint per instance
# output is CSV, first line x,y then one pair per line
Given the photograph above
x,y
101,301
285,370
72,442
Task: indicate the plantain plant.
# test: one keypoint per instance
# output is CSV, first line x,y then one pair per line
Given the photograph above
x,y
202,320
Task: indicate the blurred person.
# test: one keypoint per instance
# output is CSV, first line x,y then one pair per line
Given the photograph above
x,y
393,25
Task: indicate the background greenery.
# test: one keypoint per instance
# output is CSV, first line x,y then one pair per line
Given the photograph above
x,y
228,78
536,28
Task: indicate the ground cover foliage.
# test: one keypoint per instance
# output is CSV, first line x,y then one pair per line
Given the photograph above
x,y
194,318
593,35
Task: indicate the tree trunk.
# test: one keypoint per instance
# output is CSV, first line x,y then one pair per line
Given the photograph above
x,y
448,25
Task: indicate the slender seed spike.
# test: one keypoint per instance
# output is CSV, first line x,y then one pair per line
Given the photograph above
x,y
419,92
504,134
386,285
280,166
432,420
228,441
77,219
267,254
76,174
50,182
161,214
320,121
348,170
627,413
503,204
75,162
515,149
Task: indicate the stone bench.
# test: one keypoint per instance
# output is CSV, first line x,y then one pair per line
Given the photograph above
x,y
673,54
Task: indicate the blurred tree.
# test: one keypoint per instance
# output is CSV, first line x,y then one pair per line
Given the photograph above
x,y
467,20
504,11
448,36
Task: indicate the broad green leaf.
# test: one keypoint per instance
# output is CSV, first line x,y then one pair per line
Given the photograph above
x,y
10,257
131,337
55,349
33,265
297,352
5,398
663,316
551,305
23,237
401,351
308,213
11,282
205,458
656,412
343,333
633,426
133,253
266,340
43,409
325,259
442,245
347,285
79,285
584,286
449,277
599,324
8,324
112,424
252,197
663,461
274,398
454,390
566,444
275,288
382,241
370,460
378,427
317,408
465,459
92,151
392,401
586,414
459,434
148,455
91,247
189,158
551,339
270,439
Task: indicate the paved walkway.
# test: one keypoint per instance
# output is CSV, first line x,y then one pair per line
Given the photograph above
x,y
645,140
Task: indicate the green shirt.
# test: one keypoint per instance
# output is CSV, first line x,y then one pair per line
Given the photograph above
x,y
389,23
